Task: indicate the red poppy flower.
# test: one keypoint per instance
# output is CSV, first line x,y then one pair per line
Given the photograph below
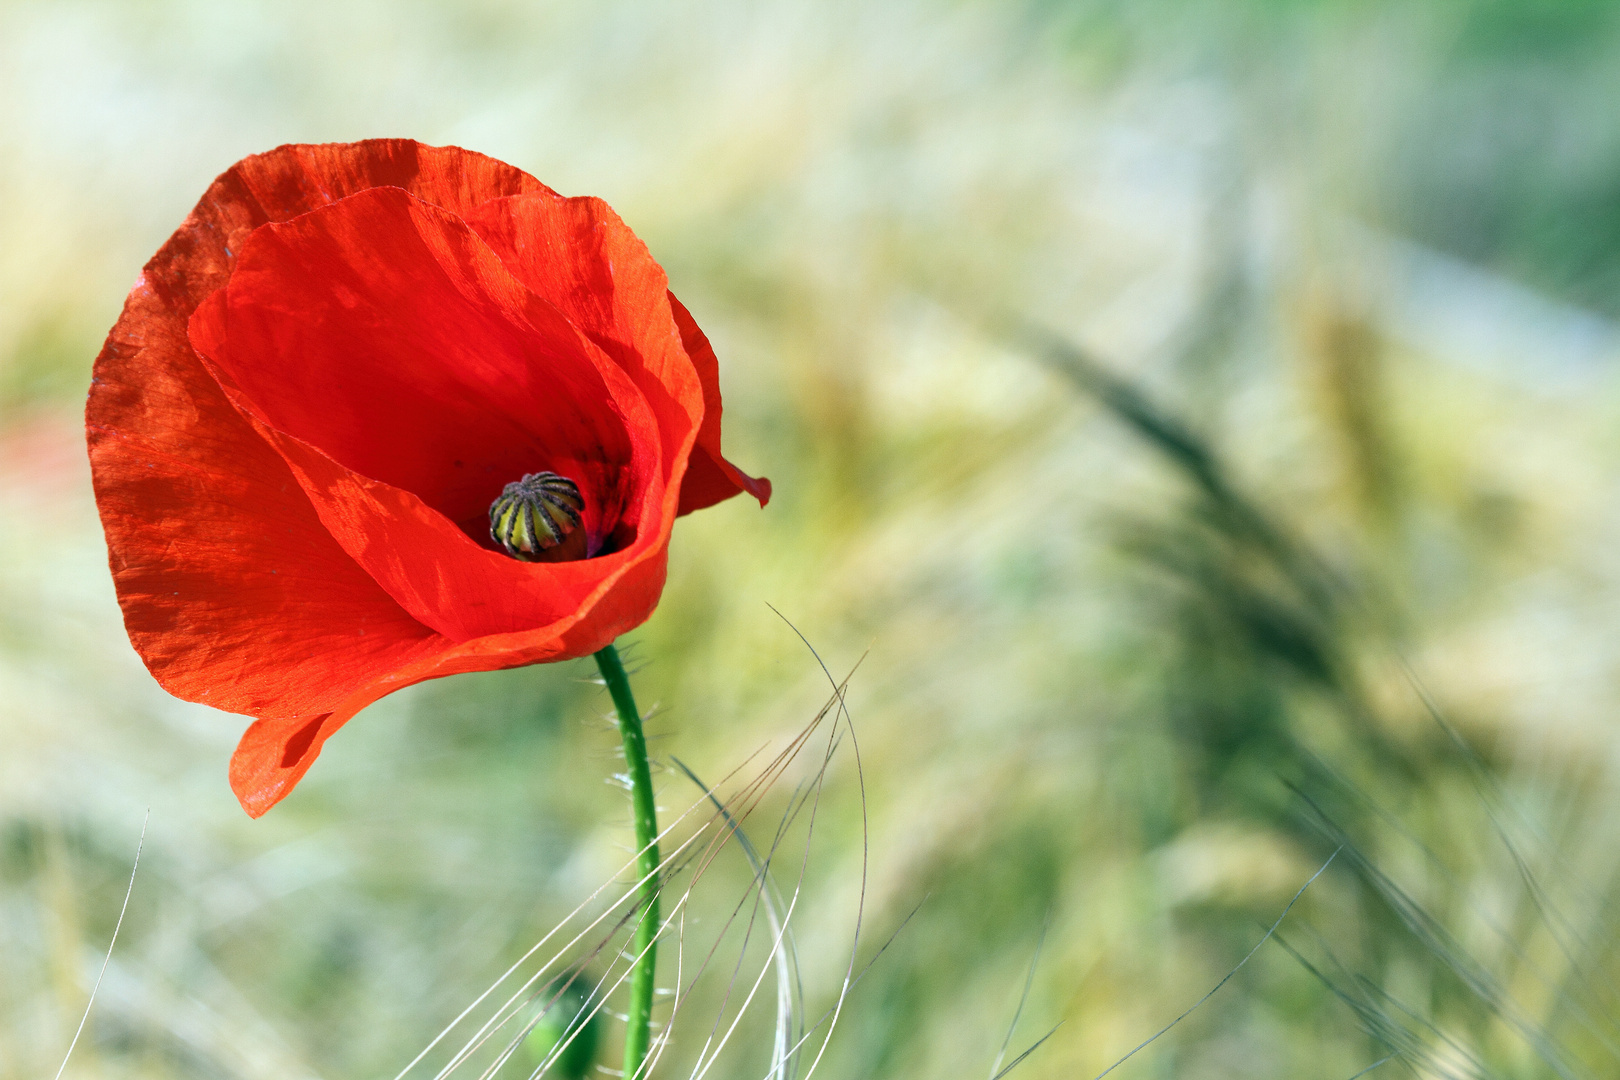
x,y
317,389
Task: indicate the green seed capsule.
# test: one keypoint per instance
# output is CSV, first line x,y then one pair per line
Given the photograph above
x,y
566,1033
535,514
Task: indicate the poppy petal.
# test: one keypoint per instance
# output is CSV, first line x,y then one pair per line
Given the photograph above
x,y
186,487
385,332
579,254
426,341
215,550
580,257
710,478
274,753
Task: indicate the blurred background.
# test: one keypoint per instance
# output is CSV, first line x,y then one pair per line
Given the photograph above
x,y
1201,418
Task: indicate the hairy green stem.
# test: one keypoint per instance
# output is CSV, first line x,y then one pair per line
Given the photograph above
x,y
645,944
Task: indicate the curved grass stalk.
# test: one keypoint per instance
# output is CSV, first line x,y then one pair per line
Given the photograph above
x,y
749,800
537,946
557,1051
694,852
508,1009
785,953
119,925
1023,999
513,1004
668,867
860,777
1269,934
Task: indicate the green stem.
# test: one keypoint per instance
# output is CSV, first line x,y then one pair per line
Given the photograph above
x,y
645,945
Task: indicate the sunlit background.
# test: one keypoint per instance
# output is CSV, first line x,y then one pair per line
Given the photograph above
x,y
1197,420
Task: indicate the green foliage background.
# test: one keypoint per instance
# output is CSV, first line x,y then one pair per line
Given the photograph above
x,y
1158,395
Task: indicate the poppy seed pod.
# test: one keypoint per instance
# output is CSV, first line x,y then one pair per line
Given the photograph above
x,y
537,519
318,388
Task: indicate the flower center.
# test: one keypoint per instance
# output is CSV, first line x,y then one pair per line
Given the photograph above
x,y
537,519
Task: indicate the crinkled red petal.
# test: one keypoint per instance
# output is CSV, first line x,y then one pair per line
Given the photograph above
x,y
425,340
710,478
204,521
384,332
579,255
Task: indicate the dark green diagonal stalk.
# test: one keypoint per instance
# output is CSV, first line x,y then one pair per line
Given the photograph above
x,y
645,946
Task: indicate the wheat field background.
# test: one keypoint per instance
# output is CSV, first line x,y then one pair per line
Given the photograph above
x,y
1197,421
